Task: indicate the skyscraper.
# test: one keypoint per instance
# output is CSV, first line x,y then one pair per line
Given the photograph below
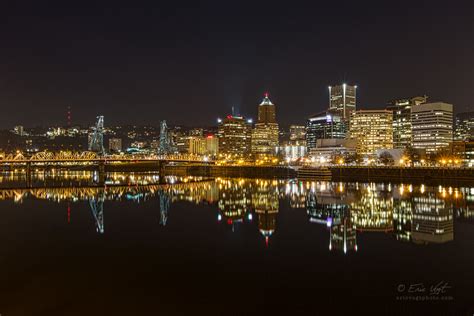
x,y
464,128
324,126
372,130
234,135
402,129
432,125
342,100
265,133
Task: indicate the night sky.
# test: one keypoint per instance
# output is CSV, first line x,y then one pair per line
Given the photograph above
x,y
190,63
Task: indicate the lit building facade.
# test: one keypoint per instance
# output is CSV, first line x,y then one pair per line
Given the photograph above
x,y
19,130
432,220
203,145
372,131
115,145
342,100
432,125
464,126
291,152
297,135
402,129
265,134
234,134
464,151
324,126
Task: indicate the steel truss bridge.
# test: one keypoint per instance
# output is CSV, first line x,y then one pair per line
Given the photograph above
x,y
67,157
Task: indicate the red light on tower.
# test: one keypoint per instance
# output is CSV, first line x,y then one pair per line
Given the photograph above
x,y
69,116
266,94
68,213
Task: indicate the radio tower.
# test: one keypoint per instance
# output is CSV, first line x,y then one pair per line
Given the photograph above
x,y
68,116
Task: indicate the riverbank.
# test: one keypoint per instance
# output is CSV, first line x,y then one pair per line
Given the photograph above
x,y
401,174
231,171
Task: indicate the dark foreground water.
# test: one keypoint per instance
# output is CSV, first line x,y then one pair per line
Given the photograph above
x,y
237,246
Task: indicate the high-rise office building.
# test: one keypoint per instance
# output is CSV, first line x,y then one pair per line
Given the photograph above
x,y
342,100
265,133
372,130
402,129
234,134
324,126
432,125
464,126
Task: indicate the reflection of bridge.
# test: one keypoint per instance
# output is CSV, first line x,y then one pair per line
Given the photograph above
x,y
96,196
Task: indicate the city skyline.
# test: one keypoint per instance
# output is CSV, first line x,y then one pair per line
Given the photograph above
x,y
165,157
144,63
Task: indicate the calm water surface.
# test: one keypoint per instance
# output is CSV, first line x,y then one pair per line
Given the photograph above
x,y
233,246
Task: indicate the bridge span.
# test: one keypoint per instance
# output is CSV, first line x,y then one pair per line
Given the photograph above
x,y
88,160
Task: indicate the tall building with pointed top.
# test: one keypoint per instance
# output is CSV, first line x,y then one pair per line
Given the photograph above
x,y
265,133
342,100
266,111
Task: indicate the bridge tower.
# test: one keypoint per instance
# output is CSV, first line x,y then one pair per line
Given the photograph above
x,y
166,143
164,206
96,138
96,204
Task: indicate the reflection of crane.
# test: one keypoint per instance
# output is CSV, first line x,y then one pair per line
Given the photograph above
x,y
97,207
164,206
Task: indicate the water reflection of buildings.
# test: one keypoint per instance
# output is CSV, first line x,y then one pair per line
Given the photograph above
x,y
410,213
240,200
265,201
343,236
432,220
465,204
414,214
373,208
402,219
234,202
327,205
